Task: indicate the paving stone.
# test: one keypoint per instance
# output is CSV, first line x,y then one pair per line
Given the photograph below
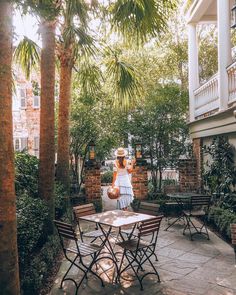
x,y
163,242
220,291
170,252
179,267
194,258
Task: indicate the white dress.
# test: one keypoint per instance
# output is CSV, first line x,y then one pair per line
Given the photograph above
x,y
125,186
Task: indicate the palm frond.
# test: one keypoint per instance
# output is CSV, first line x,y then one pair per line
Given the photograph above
x,y
124,78
27,54
76,8
140,19
89,78
80,39
85,41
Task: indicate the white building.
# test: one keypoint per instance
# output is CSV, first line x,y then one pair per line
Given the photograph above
x,y
212,105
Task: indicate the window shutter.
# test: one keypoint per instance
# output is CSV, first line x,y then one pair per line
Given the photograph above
x,y
36,101
24,144
36,143
17,144
23,98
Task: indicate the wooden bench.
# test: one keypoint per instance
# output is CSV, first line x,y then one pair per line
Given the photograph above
x,y
233,237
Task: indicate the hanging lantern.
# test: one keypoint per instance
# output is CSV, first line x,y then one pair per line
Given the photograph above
x,y
91,149
138,151
233,10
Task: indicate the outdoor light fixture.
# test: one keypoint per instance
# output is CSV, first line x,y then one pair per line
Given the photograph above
x,y
91,149
233,10
138,151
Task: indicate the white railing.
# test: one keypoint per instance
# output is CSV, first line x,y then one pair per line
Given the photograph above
x,y
207,97
231,70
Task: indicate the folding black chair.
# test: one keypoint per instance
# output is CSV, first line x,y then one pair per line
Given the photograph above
x,y
80,250
84,210
233,237
198,207
145,208
138,251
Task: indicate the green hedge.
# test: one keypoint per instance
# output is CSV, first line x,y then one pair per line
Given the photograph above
x,y
32,216
107,177
34,277
221,220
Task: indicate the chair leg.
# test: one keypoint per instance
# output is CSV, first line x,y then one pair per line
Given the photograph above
x,y
119,269
89,269
148,259
72,263
136,274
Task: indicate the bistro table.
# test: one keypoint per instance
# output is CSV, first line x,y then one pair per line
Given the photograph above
x,y
181,199
115,219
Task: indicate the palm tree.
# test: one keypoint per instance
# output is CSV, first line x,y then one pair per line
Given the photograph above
x,y
47,118
73,43
9,272
47,10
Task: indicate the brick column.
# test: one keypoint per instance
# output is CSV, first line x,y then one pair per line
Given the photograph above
x,y
188,179
197,153
140,180
92,180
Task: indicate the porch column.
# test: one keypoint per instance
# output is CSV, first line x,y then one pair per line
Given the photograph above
x,y
192,67
224,50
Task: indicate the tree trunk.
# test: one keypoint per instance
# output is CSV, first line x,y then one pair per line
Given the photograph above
x,y
47,142
9,271
63,148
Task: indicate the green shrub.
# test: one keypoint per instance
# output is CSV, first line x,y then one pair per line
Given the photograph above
x,y
61,202
98,205
26,174
32,215
34,277
107,177
221,219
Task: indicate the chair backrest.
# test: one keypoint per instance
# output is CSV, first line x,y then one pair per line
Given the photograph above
x,y
65,232
150,227
149,208
200,201
83,210
233,233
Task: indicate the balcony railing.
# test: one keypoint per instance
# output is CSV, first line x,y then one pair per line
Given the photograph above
x,y
207,97
231,70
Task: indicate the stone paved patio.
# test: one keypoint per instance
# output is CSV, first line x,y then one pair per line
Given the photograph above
x,y
185,267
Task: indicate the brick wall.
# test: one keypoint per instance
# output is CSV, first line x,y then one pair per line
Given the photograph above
x,y
92,181
140,181
197,153
188,178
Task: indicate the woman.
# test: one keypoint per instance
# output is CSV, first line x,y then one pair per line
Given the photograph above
x,y
121,179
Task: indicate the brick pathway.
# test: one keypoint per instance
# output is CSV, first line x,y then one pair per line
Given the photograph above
x,y
185,267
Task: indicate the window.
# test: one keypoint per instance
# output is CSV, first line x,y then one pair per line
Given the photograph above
x,y
36,101
24,144
36,143
17,144
23,98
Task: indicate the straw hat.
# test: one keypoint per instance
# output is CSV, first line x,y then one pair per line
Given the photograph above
x,y
121,152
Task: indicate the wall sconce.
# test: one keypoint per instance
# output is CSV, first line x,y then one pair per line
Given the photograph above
x,y
138,151
91,149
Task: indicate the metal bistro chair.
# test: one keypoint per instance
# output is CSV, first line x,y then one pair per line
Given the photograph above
x,y
198,207
80,250
84,210
138,251
233,237
89,209
144,208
